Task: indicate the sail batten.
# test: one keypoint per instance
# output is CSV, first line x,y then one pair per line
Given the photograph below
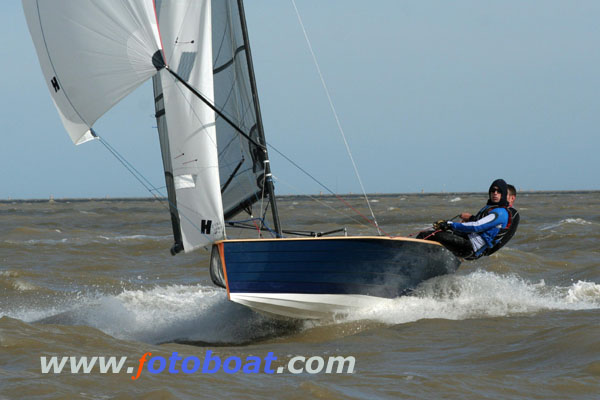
x,y
231,61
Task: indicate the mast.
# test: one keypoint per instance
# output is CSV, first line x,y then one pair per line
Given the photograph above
x,y
261,133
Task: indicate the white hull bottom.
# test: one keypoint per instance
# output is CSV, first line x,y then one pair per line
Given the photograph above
x,y
304,306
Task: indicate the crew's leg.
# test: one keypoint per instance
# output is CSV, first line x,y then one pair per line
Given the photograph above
x,y
459,245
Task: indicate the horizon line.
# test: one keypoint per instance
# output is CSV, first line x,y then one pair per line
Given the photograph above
x,y
162,198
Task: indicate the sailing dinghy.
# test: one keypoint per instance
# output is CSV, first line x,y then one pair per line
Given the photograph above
x,y
93,53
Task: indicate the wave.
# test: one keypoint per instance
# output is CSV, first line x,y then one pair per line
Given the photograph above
x,y
202,314
17,284
567,221
23,286
123,238
479,295
33,242
11,280
583,292
92,240
196,314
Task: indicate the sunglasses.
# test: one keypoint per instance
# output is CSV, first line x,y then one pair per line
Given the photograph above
x,y
495,190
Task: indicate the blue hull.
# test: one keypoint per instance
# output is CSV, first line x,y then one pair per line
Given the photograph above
x,y
369,266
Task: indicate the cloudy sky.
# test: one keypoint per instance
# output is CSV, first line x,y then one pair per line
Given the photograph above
x,y
432,95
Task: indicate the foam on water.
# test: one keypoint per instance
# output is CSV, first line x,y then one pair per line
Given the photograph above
x,y
89,240
479,295
584,292
12,279
135,237
23,286
199,313
193,313
567,221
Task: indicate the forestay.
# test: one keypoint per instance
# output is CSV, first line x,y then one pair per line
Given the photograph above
x,y
92,54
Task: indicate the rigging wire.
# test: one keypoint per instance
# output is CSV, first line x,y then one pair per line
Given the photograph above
x,y
337,120
370,221
136,174
154,191
262,190
223,114
160,196
242,224
279,180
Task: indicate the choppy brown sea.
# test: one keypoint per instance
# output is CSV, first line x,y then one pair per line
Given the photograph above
x,y
95,278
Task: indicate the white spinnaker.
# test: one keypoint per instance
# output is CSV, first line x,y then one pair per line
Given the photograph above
x,y
186,35
93,53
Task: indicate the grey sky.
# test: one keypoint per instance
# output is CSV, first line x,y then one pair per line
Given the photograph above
x,y
432,95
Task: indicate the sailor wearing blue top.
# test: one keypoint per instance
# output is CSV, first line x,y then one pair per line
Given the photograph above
x,y
471,239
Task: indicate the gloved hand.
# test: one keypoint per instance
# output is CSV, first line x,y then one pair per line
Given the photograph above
x,y
442,225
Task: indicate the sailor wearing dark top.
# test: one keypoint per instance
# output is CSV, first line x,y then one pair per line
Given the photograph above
x,y
505,235
471,239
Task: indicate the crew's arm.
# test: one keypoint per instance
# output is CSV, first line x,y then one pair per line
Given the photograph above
x,y
491,220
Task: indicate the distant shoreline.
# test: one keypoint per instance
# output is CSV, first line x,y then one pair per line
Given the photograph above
x,y
284,196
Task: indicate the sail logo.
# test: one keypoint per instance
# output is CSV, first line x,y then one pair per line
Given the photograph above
x,y
205,226
55,84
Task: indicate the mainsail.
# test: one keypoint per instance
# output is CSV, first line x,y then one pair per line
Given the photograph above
x,y
92,54
241,163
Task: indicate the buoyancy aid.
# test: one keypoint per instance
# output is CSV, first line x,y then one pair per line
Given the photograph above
x,y
496,240
505,234
503,231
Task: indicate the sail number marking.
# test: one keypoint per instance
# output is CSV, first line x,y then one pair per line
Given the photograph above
x,y
205,226
55,84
